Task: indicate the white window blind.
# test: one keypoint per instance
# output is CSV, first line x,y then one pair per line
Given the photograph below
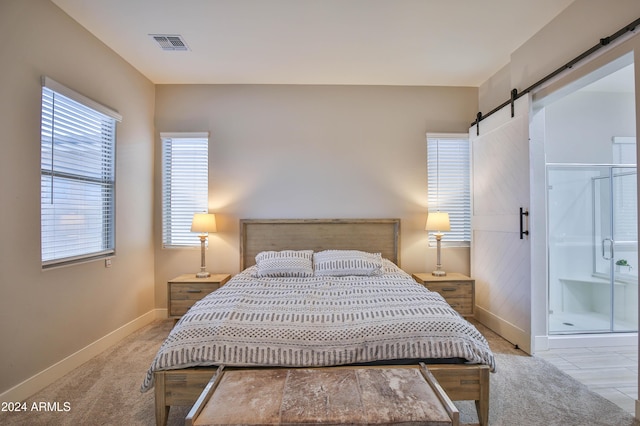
x,y
185,185
77,176
625,206
449,185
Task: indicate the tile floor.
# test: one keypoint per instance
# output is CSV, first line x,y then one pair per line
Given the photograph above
x,y
610,371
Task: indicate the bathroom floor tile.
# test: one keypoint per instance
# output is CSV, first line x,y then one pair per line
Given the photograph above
x,y
610,371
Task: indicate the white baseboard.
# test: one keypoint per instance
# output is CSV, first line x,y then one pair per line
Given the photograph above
x,y
504,328
23,390
592,340
541,343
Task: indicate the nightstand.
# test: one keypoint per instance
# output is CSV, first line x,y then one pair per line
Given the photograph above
x,y
185,290
457,289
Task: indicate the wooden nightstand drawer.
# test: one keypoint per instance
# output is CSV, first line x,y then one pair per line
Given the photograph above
x,y
184,295
457,289
461,305
191,291
184,291
452,289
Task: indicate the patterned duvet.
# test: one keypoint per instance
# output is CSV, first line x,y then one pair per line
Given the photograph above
x,y
319,321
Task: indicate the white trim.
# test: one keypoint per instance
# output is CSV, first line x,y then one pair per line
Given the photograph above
x,y
447,135
72,94
541,343
579,76
592,340
504,328
624,139
184,135
39,381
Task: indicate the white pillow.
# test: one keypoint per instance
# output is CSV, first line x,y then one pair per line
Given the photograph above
x,y
339,263
285,263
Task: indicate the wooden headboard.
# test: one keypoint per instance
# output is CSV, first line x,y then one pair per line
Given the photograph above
x,y
371,235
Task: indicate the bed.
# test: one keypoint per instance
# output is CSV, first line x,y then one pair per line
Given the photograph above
x,y
365,313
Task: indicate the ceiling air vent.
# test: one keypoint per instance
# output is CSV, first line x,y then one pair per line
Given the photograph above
x,y
170,41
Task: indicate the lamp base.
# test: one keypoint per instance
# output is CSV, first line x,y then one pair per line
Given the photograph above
x,y
203,274
439,273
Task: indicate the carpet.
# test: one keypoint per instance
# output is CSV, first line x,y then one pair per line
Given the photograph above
x,y
105,391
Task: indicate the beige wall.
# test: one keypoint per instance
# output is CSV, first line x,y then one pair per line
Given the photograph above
x,y
311,152
358,151
46,316
575,30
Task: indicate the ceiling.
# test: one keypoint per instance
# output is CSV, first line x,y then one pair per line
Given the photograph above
x,y
358,42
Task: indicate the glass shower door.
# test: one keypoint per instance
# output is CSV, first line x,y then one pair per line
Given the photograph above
x,y
623,266
579,299
592,249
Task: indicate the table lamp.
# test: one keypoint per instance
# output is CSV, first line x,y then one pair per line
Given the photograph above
x,y
203,223
438,221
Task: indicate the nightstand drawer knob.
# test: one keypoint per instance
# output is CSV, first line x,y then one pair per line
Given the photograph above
x,y
449,289
194,291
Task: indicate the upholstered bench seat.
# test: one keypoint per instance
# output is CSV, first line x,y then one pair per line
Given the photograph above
x,y
322,396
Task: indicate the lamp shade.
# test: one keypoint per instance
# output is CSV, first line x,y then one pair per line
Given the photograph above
x,y
203,223
438,221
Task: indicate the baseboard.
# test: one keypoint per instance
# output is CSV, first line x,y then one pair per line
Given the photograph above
x,y
592,340
504,328
541,343
24,390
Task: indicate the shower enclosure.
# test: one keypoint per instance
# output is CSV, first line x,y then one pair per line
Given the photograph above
x,y
592,249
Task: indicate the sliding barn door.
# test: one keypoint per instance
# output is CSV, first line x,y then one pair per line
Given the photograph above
x,y
500,252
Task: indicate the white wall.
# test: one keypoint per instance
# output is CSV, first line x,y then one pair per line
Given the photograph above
x,y
580,127
312,152
46,316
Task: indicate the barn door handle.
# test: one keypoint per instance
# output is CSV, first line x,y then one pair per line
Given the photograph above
x,y
523,213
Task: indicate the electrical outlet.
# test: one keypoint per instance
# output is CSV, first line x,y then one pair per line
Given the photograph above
x,y
107,263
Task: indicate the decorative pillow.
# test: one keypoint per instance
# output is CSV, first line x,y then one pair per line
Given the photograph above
x,y
285,263
339,263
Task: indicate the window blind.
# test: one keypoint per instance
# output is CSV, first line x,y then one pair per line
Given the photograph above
x,y
625,221
77,177
185,185
449,185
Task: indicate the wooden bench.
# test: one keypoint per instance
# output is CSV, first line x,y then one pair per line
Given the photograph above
x,y
337,395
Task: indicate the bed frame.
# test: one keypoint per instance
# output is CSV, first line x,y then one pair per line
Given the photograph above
x,y
460,382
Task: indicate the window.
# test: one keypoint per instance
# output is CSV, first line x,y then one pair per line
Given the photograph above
x,y
449,185
77,177
185,185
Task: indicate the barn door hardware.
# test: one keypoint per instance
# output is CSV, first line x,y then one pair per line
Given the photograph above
x,y
523,213
601,43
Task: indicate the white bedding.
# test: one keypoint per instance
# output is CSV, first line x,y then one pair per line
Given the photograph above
x,y
319,321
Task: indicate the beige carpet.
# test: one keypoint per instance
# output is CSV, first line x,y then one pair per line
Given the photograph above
x,y
105,391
